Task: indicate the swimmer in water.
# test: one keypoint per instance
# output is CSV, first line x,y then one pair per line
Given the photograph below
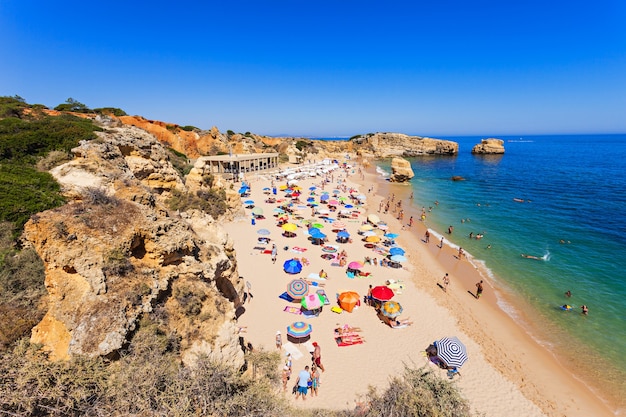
x,y
584,309
568,293
530,257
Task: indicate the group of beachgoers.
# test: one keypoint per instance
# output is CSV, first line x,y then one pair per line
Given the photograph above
x,y
567,307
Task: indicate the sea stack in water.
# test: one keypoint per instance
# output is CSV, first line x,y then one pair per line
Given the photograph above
x,y
401,170
489,146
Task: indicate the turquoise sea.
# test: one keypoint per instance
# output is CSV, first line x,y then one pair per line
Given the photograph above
x,y
574,190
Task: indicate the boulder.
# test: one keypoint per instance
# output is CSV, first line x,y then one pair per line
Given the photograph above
x,y
401,170
489,146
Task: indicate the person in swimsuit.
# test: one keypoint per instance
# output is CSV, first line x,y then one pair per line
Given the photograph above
x,y
479,289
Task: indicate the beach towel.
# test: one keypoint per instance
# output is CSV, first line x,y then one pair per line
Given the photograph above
x,y
293,349
313,275
323,294
267,251
298,249
286,297
293,310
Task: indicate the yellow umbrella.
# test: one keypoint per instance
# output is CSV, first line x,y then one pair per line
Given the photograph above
x,y
366,227
372,239
282,187
289,227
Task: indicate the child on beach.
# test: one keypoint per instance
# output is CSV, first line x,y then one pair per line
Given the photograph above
x,y
279,340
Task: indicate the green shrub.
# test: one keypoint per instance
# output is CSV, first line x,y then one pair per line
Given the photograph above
x,y
73,106
189,128
12,106
212,202
179,161
302,144
110,110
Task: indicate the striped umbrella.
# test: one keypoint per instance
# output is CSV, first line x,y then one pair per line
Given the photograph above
x,y
391,309
452,351
297,289
299,329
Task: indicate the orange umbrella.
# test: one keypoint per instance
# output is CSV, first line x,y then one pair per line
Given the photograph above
x,y
348,300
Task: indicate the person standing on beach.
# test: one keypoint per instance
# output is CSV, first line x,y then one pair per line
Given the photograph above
x,y
411,221
315,380
274,253
441,243
446,282
427,236
317,356
479,289
279,340
303,383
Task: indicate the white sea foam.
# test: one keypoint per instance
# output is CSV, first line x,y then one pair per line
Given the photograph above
x,y
382,172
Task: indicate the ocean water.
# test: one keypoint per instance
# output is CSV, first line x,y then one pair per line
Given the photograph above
x,y
573,190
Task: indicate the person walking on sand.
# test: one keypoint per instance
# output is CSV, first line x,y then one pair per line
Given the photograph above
x,y
285,377
446,282
441,243
427,236
274,253
279,340
317,356
479,289
303,383
315,380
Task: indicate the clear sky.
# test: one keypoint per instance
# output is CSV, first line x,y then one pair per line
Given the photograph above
x,y
328,67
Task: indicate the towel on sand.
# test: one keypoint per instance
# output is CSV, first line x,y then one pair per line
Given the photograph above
x,y
293,349
293,310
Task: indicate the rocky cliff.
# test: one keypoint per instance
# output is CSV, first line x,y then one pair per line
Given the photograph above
x,y
385,145
115,253
489,146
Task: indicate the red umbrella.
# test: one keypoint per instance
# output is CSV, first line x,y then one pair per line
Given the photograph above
x,y
382,293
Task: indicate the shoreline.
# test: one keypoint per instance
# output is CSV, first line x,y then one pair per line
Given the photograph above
x,y
546,378
505,361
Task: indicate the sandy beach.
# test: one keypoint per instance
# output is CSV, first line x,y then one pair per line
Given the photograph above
x,y
507,373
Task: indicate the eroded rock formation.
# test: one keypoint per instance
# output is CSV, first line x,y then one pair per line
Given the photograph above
x,y
115,253
489,146
401,170
384,145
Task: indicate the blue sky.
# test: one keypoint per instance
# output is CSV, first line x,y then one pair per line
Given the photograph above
x,y
328,68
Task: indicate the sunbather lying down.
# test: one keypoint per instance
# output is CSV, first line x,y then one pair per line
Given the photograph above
x,y
396,323
347,340
346,329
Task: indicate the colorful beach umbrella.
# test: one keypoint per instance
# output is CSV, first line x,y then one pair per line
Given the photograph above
x,y
318,225
289,227
391,309
355,265
257,211
396,251
398,258
369,233
316,233
324,197
366,227
333,203
248,202
348,300
452,351
297,288
343,234
292,266
372,239
391,235
299,329
382,293
263,232
312,301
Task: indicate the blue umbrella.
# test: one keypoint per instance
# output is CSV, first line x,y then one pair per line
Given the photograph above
x,y
398,258
348,206
248,202
292,266
315,233
310,199
243,190
396,251
343,233
312,188
391,235
324,197
263,232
